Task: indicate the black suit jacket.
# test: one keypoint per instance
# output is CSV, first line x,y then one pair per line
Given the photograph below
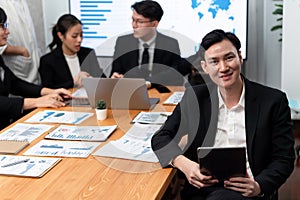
x,y
55,72
11,108
269,136
166,57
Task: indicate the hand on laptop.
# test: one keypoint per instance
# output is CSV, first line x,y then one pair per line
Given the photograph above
x,y
117,75
78,78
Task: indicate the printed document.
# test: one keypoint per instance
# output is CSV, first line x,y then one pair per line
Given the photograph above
x,y
74,149
82,133
63,117
28,132
151,117
134,145
175,98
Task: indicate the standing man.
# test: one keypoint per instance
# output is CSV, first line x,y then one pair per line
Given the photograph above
x,y
23,61
146,53
230,111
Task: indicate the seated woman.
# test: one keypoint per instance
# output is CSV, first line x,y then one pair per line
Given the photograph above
x,y
28,95
68,63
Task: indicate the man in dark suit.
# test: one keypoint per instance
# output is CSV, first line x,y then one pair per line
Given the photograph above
x,y
147,53
229,111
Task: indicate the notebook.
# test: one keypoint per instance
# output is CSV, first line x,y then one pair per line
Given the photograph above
x,y
124,93
12,146
223,162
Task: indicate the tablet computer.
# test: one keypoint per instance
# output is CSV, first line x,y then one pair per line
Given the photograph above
x,y
222,162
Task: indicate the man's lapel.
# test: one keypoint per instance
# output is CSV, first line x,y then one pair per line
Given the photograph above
x,y
252,108
211,111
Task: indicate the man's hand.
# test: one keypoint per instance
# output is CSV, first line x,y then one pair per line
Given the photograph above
x,y
247,186
117,75
24,52
192,172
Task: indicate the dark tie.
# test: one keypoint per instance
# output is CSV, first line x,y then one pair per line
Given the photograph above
x,y
145,58
145,62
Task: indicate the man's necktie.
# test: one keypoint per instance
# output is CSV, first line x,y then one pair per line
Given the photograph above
x,y
145,62
145,58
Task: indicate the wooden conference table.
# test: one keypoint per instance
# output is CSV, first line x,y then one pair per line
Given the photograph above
x,y
95,178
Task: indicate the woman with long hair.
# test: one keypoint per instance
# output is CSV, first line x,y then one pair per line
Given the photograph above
x,y
68,62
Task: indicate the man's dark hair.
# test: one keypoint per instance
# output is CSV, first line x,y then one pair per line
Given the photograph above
x,y
216,36
149,9
3,16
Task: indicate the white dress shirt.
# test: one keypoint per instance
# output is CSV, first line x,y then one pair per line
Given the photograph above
x,y
151,44
231,131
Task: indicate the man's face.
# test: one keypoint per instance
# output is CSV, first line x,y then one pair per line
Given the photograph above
x,y
143,28
4,32
223,64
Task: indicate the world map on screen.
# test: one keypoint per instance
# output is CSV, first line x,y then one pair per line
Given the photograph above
x,y
214,7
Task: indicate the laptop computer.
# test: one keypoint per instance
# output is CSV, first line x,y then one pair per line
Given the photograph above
x,y
124,93
222,162
79,98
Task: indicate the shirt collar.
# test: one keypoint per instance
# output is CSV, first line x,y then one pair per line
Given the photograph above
x,y
149,42
241,101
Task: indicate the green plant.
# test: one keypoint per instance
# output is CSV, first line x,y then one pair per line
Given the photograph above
x,y
101,104
278,11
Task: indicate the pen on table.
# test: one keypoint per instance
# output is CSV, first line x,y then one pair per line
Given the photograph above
x,y
15,163
163,114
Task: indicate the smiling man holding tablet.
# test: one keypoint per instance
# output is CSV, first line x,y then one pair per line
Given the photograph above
x,y
232,111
